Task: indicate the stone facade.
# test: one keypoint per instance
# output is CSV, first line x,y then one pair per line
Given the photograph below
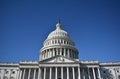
x,y
59,60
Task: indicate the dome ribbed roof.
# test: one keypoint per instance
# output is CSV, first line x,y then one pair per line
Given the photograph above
x,y
58,32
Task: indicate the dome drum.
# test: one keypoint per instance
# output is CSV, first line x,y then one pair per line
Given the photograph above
x,y
58,46
58,41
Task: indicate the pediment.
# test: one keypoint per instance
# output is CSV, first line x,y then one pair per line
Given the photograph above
x,y
59,59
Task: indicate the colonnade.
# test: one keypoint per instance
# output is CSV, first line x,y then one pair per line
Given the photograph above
x,y
58,51
60,72
58,41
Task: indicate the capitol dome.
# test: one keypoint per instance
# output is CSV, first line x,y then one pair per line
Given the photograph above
x,y
58,32
58,42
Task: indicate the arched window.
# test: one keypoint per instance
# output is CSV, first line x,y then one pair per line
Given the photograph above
x,y
13,72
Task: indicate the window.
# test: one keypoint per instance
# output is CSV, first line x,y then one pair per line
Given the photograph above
x,y
104,71
6,72
5,77
119,77
12,78
13,72
118,71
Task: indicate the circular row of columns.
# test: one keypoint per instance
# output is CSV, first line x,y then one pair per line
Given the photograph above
x,y
58,51
22,73
58,41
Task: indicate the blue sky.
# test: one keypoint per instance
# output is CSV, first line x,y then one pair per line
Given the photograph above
x,y
94,25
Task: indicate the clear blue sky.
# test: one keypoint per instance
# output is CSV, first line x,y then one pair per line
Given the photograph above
x,y
93,25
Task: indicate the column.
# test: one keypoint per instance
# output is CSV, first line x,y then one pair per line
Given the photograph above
x,y
20,75
39,73
47,54
9,74
53,52
64,52
44,72
93,73
50,76
29,73
17,75
73,72
79,77
71,53
83,74
61,72
50,53
3,74
23,74
99,73
57,51
34,74
56,73
42,56
67,72
60,51
89,73
68,53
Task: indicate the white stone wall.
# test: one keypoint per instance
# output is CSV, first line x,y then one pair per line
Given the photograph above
x,y
87,71
110,72
8,73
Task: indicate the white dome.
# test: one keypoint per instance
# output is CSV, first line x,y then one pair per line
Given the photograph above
x,y
58,33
